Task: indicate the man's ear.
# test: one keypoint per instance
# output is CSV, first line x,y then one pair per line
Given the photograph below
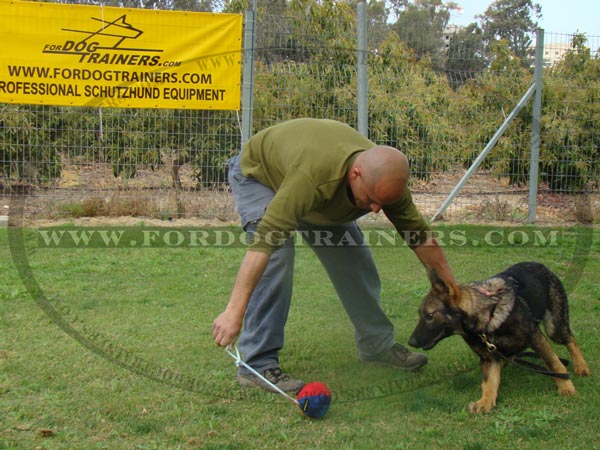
x,y
443,287
355,172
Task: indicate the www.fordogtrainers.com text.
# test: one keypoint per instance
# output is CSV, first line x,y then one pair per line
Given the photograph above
x,y
194,238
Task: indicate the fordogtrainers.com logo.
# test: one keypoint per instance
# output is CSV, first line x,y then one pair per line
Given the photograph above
x,y
91,56
109,42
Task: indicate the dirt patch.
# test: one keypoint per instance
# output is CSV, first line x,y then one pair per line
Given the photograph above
x,y
89,194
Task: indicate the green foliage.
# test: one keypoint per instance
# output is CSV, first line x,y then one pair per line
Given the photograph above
x,y
570,133
440,122
415,124
480,106
421,25
26,153
467,55
514,21
210,152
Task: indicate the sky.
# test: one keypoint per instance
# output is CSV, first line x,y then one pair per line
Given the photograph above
x,y
558,16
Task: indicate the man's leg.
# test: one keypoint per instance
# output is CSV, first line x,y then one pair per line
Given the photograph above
x,y
264,322
351,268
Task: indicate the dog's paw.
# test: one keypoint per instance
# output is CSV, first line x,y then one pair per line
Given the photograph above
x,y
481,407
583,371
566,388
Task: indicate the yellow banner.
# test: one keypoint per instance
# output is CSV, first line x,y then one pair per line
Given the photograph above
x,y
74,55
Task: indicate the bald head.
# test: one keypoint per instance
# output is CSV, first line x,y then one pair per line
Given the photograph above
x,y
379,173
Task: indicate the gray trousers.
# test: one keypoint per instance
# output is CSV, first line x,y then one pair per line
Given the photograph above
x,y
350,267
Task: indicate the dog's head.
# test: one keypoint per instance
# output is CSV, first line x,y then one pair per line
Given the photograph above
x,y
439,316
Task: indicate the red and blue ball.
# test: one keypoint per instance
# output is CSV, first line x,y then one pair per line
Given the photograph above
x,y
314,399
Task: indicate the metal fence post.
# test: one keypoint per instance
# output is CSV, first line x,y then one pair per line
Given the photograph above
x,y
362,77
536,127
248,75
489,146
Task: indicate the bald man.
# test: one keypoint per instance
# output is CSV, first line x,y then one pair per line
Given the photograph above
x,y
316,177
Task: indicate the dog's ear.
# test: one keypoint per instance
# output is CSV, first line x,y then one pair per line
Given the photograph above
x,y
436,280
444,288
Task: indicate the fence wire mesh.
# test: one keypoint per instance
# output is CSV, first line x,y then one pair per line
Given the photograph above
x,y
440,107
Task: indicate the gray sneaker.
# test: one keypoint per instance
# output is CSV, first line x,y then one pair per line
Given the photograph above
x,y
275,375
400,358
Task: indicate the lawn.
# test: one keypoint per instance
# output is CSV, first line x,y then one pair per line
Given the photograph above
x,y
107,345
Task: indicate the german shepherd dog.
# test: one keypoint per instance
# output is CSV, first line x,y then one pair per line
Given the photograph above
x,y
499,318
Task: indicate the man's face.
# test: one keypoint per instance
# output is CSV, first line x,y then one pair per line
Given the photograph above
x,y
364,195
375,196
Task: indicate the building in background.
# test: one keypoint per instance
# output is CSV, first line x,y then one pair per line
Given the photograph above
x,y
448,32
554,52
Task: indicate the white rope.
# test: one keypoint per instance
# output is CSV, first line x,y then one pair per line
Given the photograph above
x,y
239,362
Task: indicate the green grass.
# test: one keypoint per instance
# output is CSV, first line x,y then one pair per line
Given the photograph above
x,y
151,309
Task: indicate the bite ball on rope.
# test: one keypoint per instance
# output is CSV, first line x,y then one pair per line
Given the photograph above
x,y
313,399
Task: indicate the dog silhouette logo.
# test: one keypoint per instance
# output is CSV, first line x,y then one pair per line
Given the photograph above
x,y
114,32
112,35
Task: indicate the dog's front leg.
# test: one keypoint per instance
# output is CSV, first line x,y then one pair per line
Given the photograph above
x,y
581,367
491,372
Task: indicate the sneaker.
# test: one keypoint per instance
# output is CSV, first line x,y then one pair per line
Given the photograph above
x,y
400,358
275,375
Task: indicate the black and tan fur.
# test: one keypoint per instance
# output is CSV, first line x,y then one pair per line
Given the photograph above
x,y
507,309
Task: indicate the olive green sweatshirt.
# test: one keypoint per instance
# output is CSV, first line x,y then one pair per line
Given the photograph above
x,y
306,162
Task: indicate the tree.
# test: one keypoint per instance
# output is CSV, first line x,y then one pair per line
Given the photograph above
x,y
466,55
421,25
378,26
515,21
397,6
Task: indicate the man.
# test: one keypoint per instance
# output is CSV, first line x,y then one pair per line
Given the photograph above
x,y
316,176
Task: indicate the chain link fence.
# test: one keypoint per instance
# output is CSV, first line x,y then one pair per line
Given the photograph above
x,y
441,111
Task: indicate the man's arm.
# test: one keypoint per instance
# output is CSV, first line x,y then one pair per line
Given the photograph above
x,y
432,255
227,326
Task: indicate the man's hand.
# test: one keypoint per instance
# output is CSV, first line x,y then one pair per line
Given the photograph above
x,y
431,255
226,328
